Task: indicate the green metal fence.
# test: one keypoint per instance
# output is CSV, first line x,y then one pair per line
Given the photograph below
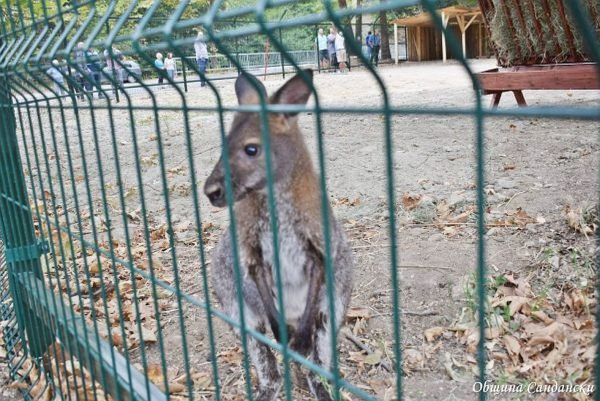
x,y
85,298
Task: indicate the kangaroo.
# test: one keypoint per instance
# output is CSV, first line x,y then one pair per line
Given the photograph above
x,y
300,238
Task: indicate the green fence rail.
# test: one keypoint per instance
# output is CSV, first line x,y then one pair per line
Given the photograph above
x,y
91,311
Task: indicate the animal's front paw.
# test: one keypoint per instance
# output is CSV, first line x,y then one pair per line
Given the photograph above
x,y
267,394
302,342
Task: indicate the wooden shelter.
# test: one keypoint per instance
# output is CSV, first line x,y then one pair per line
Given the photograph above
x,y
425,42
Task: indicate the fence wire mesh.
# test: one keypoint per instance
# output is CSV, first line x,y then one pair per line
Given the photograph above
x,y
107,235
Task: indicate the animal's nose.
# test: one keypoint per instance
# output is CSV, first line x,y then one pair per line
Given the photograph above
x,y
215,193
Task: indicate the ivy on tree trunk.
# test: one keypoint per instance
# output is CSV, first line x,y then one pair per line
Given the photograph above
x,y
359,23
385,35
347,21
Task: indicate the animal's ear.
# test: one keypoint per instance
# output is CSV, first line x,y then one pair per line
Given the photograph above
x,y
295,91
245,89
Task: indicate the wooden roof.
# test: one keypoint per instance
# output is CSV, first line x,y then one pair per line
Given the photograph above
x,y
424,19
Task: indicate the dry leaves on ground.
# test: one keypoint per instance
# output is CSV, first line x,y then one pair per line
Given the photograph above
x,y
584,220
410,201
345,201
533,337
114,284
510,218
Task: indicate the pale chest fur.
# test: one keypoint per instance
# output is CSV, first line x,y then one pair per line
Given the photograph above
x,y
293,259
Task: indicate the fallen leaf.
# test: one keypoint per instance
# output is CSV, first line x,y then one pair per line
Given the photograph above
x,y
509,166
149,336
432,333
515,303
512,346
357,312
412,359
448,365
155,374
374,358
410,201
537,340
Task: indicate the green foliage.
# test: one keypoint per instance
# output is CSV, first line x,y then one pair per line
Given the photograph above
x,y
298,38
409,11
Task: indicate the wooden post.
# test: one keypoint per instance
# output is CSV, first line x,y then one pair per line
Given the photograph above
x,y
407,39
418,46
461,25
407,43
473,18
396,41
463,30
445,23
480,41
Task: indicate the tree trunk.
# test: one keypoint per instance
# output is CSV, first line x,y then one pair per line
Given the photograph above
x,y
385,36
359,23
347,21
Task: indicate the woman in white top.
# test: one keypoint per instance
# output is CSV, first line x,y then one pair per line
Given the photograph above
x,y
340,50
170,66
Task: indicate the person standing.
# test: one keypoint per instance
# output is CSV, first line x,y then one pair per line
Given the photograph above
x,y
201,56
81,72
369,44
113,58
160,66
322,48
95,69
340,50
170,66
376,46
331,48
57,77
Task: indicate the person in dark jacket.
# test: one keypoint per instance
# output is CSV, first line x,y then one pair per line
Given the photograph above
x,y
376,39
369,43
81,73
201,50
113,58
95,68
331,49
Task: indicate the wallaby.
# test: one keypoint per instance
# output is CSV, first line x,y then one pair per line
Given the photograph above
x,y
300,237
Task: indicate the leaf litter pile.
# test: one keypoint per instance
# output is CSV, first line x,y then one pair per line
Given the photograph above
x,y
539,325
118,299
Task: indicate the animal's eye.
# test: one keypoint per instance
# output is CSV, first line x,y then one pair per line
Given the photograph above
x,y
251,150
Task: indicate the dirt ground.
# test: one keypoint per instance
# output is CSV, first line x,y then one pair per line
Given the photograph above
x,y
537,170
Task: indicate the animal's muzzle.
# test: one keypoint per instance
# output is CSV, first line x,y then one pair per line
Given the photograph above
x,y
215,192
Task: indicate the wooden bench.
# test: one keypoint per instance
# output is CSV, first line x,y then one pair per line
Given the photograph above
x,y
566,76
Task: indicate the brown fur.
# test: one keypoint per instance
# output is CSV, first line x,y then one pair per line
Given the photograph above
x,y
301,247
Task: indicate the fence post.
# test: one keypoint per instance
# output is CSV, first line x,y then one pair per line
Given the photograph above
x,y
21,246
112,68
184,74
406,42
281,53
237,49
317,47
396,48
349,54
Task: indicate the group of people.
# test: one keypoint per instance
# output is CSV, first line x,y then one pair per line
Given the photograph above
x,y
332,49
88,66
373,42
86,72
168,66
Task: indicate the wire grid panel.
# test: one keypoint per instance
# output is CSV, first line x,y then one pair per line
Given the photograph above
x,y
103,218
